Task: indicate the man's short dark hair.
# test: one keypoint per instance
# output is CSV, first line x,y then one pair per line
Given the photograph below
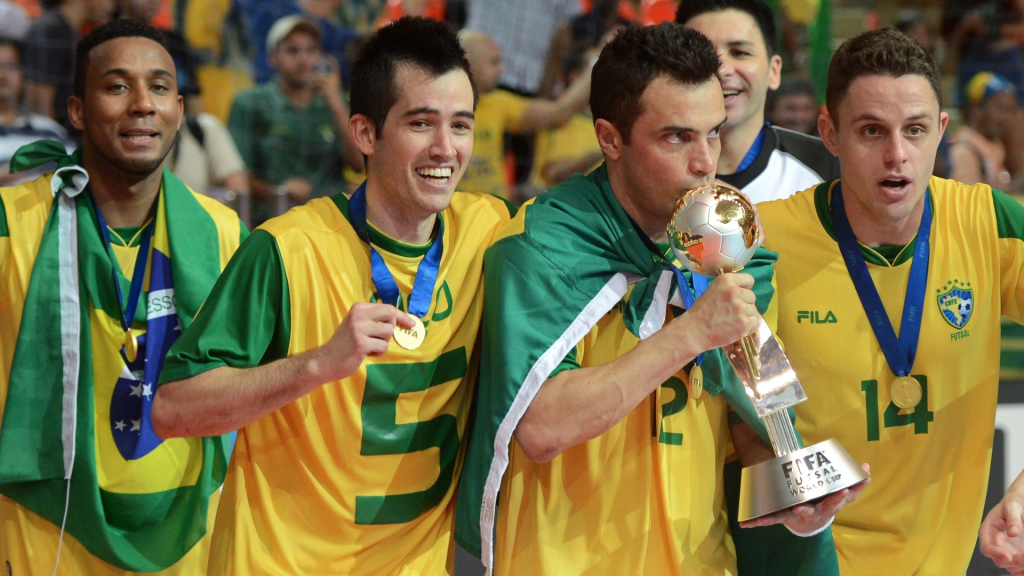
x,y
410,41
635,58
885,52
18,49
758,10
119,28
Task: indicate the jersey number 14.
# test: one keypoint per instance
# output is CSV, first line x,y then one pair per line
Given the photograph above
x,y
920,417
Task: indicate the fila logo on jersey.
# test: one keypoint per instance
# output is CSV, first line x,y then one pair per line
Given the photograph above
x,y
815,317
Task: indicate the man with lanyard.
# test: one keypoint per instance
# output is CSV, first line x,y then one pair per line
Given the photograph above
x,y
102,263
339,339
765,162
891,284
596,447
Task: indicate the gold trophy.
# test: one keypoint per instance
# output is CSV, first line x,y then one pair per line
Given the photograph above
x,y
715,230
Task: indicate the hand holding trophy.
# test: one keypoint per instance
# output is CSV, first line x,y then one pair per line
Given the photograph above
x,y
715,230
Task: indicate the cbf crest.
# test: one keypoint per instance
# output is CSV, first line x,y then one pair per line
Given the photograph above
x,y
956,302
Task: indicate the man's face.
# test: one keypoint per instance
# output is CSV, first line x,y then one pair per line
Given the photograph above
x,y
798,112
997,114
131,111
886,135
10,75
485,61
295,57
747,72
426,141
674,145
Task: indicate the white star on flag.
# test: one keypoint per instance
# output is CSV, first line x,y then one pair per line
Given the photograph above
x,y
136,425
147,390
119,425
136,390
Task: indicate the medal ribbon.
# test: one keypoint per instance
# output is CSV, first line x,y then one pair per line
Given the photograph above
x,y
426,273
899,352
689,293
135,290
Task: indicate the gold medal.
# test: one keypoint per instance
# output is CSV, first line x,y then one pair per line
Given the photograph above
x,y
131,346
411,338
905,392
696,381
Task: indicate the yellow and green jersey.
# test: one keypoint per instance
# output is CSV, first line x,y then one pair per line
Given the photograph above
x,y
645,497
498,112
574,139
28,541
358,476
929,464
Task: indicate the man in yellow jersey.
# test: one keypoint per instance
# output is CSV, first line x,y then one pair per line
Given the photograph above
x,y
102,263
593,451
501,111
1002,532
891,284
339,338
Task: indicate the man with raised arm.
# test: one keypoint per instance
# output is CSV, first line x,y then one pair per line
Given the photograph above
x,y
338,341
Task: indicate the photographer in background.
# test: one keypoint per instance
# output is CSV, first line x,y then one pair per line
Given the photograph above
x,y
292,132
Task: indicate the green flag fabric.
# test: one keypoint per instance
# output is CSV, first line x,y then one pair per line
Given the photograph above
x,y
142,532
546,287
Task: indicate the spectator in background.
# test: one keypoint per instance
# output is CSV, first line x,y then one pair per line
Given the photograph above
x,y
976,152
50,55
913,24
986,35
522,29
17,127
580,33
293,131
205,156
219,36
794,106
14,21
334,39
571,147
501,111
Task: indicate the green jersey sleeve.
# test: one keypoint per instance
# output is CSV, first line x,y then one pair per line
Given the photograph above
x,y
246,319
1009,215
3,220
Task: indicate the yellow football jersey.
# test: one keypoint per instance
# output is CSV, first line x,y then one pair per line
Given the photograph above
x,y
578,514
498,112
572,140
28,542
358,476
929,464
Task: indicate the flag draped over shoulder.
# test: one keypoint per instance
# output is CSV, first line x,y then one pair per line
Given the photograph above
x,y
142,532
561,265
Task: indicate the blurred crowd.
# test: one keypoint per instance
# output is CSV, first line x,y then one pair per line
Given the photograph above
x,y
264,83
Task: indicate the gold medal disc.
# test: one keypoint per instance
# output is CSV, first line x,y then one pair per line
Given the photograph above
x,y
411,338
131,346
696,381
906,392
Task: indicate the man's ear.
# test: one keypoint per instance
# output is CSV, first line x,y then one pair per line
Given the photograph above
x,y
363,133
76,113
774,72
609,139
827,130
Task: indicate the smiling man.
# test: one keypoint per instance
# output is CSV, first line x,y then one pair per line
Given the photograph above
x,y
339,339
889,250
101,265
593,452
765,162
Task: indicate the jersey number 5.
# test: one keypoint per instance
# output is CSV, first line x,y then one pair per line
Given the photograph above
x,y
920,417
383,435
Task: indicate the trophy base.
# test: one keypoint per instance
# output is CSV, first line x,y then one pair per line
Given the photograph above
x,y
807,474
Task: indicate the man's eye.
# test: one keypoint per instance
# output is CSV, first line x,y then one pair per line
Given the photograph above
x,y
916,131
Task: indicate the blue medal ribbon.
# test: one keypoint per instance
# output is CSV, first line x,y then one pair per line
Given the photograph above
x,y
426,273
139,274
755,150
899,352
